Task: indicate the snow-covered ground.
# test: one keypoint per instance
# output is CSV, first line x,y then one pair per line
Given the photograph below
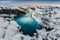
x,y
49,19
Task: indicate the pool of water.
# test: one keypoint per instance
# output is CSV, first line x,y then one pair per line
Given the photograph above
x,y
28,24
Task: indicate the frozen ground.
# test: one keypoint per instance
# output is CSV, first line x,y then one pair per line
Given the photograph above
x,y
49,17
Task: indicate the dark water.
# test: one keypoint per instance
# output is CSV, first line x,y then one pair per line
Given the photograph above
x,y
28,24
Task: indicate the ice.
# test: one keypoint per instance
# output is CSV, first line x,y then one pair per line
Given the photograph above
x,y
59,38
2,39
2,31
39,37
14,23
2,27
20,36
3,23
42,32
11,30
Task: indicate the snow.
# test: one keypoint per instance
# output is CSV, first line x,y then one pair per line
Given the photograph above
x,y
11,31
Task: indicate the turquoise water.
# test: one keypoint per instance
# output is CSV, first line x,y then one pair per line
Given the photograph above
x,y
28,24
